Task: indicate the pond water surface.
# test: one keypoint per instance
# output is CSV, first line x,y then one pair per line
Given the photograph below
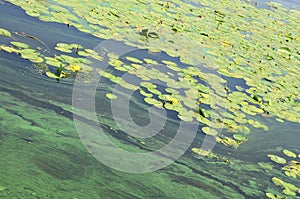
x,y
42,156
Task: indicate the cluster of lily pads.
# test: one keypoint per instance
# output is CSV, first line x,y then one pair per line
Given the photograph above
x,y
290,165
234,38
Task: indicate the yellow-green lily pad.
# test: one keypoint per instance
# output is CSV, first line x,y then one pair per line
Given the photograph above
x,y
111,96
289,153
4,32
209,131
20,44
277,159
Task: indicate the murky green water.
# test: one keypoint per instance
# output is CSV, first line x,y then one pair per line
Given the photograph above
x,y
41,155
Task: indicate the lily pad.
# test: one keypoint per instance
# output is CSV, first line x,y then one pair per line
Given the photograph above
x,y
289,153
8,49
52,75
4,32
20,44
135,60
277,159
240,137
154,102
288,188
200,151
209,131
110,96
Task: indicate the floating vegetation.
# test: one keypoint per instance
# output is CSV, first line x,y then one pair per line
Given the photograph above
x,y
289,153
209,131
4,32
67,48
20,44
275,196
277,159
110,96
74,68
8,49
227,141
258,56
290,167
288,188
210,155
240,137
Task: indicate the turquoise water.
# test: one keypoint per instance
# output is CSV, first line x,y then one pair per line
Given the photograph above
x,y
41,155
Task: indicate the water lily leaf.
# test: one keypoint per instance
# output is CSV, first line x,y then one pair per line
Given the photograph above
x,y
154,102
292,169
240,137
149,95
186,118
110,96
135,60
20,44
83,53
289,153
74,68
251,52
51,75
148,85
4,32
115,63
154,91
272,196
279,120
228,141
288,188
209,131
52,61
200,151
169,63
277,159
31,55
37,59
65,50
8,49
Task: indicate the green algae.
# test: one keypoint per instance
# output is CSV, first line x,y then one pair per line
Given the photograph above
x,y
38,136
53,163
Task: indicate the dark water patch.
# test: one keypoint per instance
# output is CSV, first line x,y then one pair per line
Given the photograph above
x,y
261,143
31,122
232,82
210,176
58,167
286,3
38,103
63,162
14,18
195,4
198,184
117,193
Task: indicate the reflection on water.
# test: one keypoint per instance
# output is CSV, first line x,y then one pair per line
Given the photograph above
x,y
42,156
